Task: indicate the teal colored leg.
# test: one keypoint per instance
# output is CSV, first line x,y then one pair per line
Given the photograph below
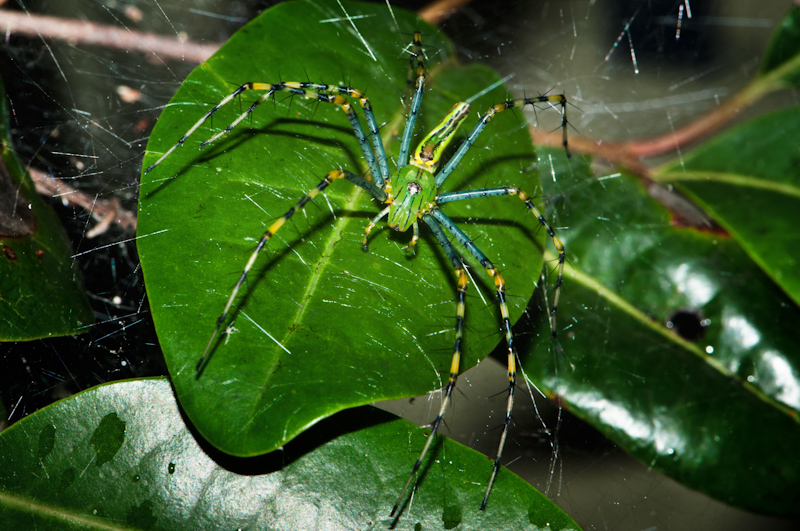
x,y
377,144
463,283
365,240
525,198
500,290
321,92
558,99
418,57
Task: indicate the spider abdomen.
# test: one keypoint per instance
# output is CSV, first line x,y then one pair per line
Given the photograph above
x,y
415,191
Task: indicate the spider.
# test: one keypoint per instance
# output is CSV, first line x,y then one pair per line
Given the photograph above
x,y
410,195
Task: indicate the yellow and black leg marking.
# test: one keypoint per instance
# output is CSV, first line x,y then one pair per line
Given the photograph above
x,y
505,325
463,283
500,288
525,198
376,160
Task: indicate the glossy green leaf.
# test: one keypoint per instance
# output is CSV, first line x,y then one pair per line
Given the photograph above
x,y
715,408
322,326
119,456
748,180
41,293
784,50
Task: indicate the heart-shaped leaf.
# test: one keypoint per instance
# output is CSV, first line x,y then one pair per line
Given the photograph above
x,y
321,326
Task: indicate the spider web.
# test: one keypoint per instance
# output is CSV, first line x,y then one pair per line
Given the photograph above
x,y
82,114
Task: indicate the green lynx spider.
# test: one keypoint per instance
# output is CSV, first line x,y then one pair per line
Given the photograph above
x,y
410,194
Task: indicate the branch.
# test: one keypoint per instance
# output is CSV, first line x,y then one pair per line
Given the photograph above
x,y
106,211
440,10
82,32
630,153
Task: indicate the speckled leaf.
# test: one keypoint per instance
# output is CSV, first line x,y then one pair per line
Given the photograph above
x,y
119,457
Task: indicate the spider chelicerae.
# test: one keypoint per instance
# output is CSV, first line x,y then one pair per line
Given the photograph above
x,y
410,195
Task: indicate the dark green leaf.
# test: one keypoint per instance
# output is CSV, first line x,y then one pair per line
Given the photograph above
x,y
322,326
41,293
784,49
342,474
748,180
702,408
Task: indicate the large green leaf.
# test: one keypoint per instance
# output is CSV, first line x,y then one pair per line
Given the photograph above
x,y
41,293
119,456
322,326
679,341
700,401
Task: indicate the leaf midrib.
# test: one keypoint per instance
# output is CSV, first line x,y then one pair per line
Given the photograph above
x,y
52,512
339,225
573,274
746,181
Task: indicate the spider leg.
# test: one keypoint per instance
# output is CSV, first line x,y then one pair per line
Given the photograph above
x,y
382,214
525,198
553,99
270,232
418,57
411,245
374,133
364,241
463,282
500,289
333,94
